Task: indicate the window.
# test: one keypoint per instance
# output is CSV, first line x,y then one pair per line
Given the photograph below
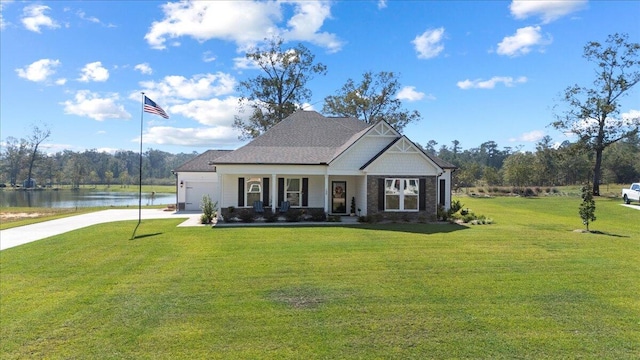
x,y
292,191
401,194
392,194
411,194
254,190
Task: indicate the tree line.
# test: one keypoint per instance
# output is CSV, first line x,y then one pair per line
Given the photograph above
x,y
488,164
549,165
20,157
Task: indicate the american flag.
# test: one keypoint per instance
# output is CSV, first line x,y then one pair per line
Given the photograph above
x,y
151,107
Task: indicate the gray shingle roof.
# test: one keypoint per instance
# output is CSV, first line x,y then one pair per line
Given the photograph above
x,y
303,138
314,139
202,162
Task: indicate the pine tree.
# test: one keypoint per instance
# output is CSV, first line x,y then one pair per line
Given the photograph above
x,y
587,207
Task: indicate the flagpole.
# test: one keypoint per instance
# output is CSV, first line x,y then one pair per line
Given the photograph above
x,y
140,175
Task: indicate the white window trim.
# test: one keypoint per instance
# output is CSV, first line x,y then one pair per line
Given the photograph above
x,y
246,191
299,192
401,195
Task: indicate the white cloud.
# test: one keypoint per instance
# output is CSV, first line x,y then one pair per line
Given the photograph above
x,y
244,22
209,137
61,81
507,81
93,106
3,23
531,136
33,18
306,23
429,44
197,87
627,119
144,68
630,117
38,71
382,4
547,10
213,112
409,93
94,72
208,56
82,15
523,41
242,63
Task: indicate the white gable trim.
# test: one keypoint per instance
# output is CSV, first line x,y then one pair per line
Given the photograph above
x,y
381,129
402,147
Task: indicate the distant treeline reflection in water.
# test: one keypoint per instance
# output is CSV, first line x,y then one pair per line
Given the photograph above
x,y
79,198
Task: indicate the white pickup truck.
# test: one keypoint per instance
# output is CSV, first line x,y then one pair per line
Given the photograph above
x,y
631,194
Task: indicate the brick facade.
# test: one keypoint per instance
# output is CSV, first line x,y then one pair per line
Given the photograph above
x,y
423,215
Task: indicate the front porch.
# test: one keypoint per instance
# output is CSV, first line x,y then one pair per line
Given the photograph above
x,y
329,194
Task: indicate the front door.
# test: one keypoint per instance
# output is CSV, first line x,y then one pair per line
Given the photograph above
x,y
339,197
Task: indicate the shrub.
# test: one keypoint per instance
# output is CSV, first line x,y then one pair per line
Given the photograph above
x,y
317,215
293,215
204,219
468,218
246,216
208,209
334,218
456,205
529,192
270,217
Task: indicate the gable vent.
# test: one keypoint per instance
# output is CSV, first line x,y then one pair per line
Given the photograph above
x,y
403,146
382,129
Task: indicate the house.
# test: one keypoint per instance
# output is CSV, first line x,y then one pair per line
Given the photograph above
x,y
321,163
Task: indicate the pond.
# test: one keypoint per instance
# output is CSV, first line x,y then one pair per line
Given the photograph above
x,y
79,198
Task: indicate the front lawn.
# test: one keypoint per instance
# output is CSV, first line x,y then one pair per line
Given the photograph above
x,y
524,287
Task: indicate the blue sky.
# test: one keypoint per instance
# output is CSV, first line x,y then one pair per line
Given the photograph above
x,y
475,70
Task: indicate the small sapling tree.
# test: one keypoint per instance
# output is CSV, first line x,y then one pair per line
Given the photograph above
x,y
587,207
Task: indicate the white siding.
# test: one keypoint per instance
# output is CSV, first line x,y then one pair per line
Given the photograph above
x,y
359,154
402,164
196,184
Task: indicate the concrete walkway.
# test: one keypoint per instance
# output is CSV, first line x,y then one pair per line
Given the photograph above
x,y
28,233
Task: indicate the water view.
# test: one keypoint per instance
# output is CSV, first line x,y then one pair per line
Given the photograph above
x,y
79,198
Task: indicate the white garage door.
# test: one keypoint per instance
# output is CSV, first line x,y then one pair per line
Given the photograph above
x,y
194,193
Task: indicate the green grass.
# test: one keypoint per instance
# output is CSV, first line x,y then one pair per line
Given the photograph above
x,y
526,287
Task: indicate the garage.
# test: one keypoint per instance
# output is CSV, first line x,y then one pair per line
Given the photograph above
x,y
194,191
196,178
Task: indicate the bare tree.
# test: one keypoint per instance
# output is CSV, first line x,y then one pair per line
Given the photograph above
x,y
38,135
593,113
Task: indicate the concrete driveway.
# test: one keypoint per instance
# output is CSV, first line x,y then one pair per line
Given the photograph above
x,y
633,206
28,233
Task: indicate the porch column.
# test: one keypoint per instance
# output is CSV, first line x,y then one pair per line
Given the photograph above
x,y
326,193
274,194
220,195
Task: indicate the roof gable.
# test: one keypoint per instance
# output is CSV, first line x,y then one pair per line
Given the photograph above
x,y
305,137
401,146
364,145
202,162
